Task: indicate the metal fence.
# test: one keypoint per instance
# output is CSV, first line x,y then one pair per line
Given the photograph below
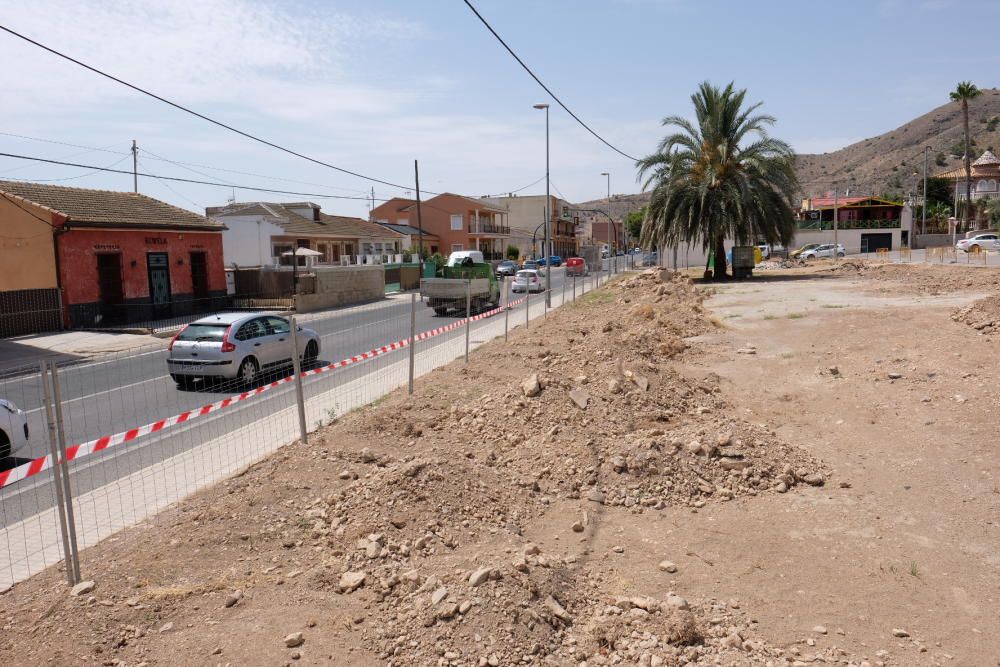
x,y
114,440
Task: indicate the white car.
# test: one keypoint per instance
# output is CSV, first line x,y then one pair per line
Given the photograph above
x,y
527,280
765,250
825,250
988,241
13,428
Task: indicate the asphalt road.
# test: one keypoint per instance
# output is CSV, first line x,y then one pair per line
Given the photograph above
x,y
129,390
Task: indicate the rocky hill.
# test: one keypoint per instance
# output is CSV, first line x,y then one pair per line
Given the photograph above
x,y
893,162
890,163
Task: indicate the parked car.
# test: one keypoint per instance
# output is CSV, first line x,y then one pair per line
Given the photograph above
x,y
527,280
576,266
807,247
236,346
825,250
506,268
14,433
532,265
989,241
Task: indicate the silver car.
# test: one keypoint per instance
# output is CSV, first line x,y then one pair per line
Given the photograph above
x,y
13,428
236,346
527,280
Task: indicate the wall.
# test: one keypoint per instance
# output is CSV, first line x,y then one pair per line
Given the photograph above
x,y
849,238
26,247
435,215
78,250
525,216
247,242
342,285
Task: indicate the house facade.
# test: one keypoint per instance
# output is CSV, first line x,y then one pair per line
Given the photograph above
x,y
985,178
258,233
123,257
864,224
29,284
459,223
526,219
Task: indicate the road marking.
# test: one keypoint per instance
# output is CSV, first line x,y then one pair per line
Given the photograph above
x,y
106,391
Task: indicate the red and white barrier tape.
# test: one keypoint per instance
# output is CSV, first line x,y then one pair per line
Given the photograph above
x,y
36,466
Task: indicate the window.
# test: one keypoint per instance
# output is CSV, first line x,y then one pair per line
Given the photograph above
x,y
322,248
279,249
403,221
457,247
456,223
277,325
252,329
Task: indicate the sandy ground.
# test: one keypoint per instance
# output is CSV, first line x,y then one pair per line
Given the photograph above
x,y
497,525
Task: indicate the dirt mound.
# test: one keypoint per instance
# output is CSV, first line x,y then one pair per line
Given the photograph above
x,y
398,533
983,315
923,278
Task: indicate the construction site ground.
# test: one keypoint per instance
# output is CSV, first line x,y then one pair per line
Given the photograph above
x,y
792,470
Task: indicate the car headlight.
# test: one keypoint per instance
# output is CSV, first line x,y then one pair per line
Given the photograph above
x,y
10,407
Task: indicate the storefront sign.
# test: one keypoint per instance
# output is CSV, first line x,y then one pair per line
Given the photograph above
x,y
156,240
106,246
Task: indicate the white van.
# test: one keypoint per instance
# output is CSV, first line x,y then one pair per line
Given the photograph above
x,y
458,257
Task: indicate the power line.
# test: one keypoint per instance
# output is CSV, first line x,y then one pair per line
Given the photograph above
x,y
73,178
172,189
16,203
200,115
186,180
544,87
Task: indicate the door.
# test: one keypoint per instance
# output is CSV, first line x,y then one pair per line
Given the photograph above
x,y
279,334
159,283
109,281
873,242
199,280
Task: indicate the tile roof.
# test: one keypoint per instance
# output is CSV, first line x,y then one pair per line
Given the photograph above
x,y
340,226
406,230
106,208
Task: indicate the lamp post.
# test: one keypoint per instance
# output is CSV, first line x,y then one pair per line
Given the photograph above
x,y
923,205
611,248
548,213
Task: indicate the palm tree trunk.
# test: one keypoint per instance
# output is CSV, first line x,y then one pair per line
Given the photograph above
x,y
968,167
719,268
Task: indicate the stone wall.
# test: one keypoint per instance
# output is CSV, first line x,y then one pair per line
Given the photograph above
x,y
344,285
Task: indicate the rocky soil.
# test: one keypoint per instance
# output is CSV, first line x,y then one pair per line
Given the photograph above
x,y
467,524
920,278
983,315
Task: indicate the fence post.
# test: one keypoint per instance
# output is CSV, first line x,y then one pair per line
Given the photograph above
x,y
506,308
297,369
574,288
57,473
468,316
64,464
413,335
563,303
527,304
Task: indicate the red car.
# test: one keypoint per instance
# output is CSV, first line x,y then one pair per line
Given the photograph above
x,y
576,266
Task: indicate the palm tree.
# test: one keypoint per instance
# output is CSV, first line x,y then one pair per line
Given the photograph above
x,y
964,92
937,212
720,177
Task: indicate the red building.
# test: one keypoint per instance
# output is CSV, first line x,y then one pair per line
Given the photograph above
x,y
123,257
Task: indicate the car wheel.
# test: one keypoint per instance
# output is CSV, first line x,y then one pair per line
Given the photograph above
x,y
183,381
840,254
440,311
312,353
4,445
248,371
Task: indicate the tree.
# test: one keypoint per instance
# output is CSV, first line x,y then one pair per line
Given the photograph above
x,y
940,159
721,176
964,93
938,190
633,222
513,252
993,212
938,212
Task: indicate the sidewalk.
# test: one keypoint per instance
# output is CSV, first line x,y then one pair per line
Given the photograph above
x,y
67,347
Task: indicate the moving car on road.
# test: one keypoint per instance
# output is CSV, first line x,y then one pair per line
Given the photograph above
x,y
506,268
530,264
554,260
576,266
825,250
236,346
13,428
527,280
988,241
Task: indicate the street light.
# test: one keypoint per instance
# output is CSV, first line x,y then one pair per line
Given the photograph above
x,y
611,249
548,213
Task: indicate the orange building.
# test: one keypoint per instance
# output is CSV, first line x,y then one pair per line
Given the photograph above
x,y
459,223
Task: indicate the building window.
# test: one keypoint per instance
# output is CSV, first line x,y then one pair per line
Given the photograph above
x,y
323,248
457,247
456,223
278,250
403,221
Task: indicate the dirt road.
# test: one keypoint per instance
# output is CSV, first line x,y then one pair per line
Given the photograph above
x,y
902,403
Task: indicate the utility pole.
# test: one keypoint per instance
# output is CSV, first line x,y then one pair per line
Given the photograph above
x,y
420,222
836,248
135,166
611,224
548,214
923,205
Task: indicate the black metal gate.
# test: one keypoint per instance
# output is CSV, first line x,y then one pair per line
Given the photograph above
x,y
159,283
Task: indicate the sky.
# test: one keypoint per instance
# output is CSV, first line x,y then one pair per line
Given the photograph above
x,y
372,85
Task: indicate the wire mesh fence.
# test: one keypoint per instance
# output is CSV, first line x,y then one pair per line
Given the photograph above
x,y
146,427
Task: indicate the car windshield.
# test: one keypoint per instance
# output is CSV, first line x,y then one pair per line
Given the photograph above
x,y
507,263
198,331
525,274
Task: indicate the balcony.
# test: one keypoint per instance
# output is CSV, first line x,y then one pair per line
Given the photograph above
x,y
827,225
486,227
